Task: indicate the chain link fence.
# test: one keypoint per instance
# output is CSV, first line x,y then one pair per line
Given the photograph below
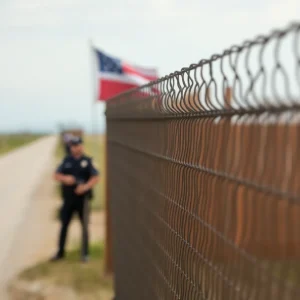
x,y
205,177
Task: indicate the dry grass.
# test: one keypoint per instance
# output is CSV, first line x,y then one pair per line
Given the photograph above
x,y
85,279
95,147
11,141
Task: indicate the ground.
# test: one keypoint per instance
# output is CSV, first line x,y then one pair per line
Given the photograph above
x,y
20,173
86,280
38,239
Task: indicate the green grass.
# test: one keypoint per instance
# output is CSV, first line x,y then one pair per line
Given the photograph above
x,y
84,278
94,147
12,141
59,151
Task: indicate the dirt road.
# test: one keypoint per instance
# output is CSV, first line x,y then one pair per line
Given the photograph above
x,y
20,174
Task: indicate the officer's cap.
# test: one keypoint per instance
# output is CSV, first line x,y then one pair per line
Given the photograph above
x,y
76,140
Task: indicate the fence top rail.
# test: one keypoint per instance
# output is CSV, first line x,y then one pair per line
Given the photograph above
x,y
260,75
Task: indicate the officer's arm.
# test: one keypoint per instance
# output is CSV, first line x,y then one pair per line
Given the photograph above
x,y
82,188
92,181
62,178
94,177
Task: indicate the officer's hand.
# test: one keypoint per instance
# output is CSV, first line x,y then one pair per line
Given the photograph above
x,y
69,180
81,189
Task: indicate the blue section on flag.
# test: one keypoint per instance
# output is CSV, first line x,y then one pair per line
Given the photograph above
x,y
108,64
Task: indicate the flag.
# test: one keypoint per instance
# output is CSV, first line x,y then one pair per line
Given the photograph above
x,y
116,76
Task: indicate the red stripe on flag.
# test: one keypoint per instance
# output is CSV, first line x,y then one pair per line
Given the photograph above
x,y
110,88
130,70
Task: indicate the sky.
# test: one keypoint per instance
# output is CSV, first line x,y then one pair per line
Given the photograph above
x,y
46,71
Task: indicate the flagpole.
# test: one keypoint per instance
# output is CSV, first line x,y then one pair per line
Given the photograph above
x,y
94,94
93,112
108,263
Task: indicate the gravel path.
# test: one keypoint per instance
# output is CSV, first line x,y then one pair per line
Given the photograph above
x,y
20,173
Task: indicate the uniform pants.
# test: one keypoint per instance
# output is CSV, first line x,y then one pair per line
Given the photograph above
x,y
79,205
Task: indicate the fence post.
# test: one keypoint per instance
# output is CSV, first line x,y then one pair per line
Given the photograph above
x,y
108,260
228,97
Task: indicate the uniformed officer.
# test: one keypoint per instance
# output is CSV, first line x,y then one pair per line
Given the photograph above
x,y
77,176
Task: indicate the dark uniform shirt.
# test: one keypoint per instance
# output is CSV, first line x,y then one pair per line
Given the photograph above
x,y
82,169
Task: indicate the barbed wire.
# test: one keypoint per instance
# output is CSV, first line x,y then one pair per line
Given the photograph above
x,y
203,88
205,180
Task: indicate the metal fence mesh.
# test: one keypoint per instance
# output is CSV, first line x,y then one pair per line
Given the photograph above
x,y
205,177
